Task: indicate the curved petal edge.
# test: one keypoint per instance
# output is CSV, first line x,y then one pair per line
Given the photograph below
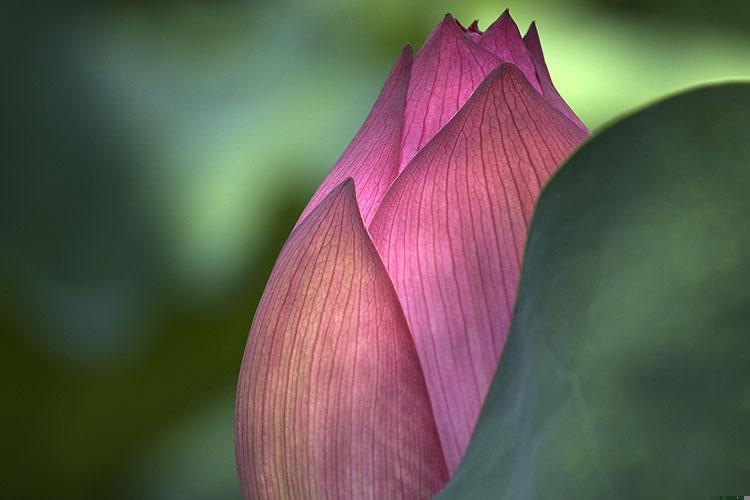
x,y
451,232
332,401
534,45
446,71
372,157
504,40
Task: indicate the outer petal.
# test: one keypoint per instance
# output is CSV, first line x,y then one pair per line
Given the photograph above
x,y
503,39
451,232
446,71
531,39
332,402
372,158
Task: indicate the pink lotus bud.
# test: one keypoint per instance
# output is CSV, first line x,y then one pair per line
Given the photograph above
x,y
382,323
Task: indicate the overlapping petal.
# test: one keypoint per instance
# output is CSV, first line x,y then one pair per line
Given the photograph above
x,y
353,388
372,157
451,232
446,70
532,42
503,39
473,31
332,402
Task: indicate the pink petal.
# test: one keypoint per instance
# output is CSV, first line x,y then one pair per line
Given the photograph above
x,y
473,31
445,72
372,158
503,39
474,27
451,231
332,402
532,42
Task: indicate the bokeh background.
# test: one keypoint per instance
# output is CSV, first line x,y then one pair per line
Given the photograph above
x,y
154,159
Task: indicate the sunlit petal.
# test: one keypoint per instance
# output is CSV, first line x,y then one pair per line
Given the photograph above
x,y
332,401
452,230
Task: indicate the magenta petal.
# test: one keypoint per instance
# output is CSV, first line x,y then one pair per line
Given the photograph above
x,y
532,42
472,31
504,40
452,229
445,72
372,157
332,401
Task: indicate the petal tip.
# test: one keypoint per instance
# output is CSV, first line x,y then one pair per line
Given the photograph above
x,y
346,189
451,23
505,70
404,61
285,407
531,31
504,22
406,58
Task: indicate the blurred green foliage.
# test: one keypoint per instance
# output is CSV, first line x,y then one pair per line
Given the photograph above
x,y
155,157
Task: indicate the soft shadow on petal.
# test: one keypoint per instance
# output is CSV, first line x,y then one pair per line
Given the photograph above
x,y
446,70
452,229
532,42
372,157
332,402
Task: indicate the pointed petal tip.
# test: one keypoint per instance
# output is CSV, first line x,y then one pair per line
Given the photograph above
x,y
437,89
347,184
452,27
503,21
416,224
450,23
372,156
473,27
404,61
534,46
302,336
503,38
506,71
531,31
345,191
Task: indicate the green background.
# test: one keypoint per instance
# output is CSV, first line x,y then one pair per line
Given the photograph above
x,y
155,157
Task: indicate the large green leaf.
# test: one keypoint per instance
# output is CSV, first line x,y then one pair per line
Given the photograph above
x,y
627,370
